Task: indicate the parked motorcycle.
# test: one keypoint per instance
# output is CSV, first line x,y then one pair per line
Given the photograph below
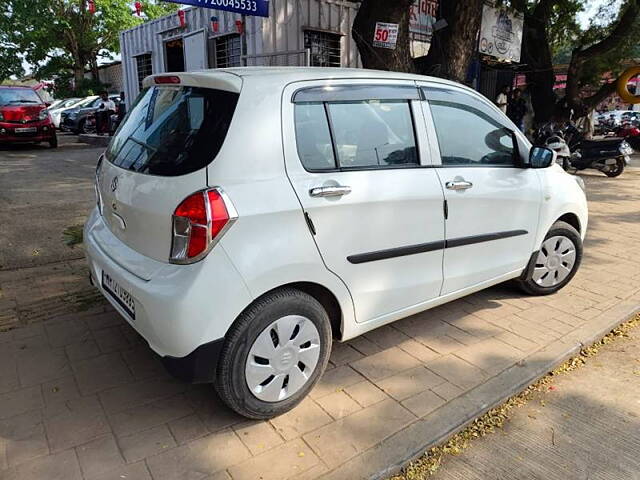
x,y
609,155
631,133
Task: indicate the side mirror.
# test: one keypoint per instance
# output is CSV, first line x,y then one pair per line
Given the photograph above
x,y
541,157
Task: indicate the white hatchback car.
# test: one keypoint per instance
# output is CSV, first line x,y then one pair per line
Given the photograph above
x,y
246,217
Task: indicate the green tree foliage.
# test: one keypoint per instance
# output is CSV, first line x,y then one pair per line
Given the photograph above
x,y
552,34
63,35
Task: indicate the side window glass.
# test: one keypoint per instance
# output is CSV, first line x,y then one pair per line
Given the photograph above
x,y
313,137
373,133
469,137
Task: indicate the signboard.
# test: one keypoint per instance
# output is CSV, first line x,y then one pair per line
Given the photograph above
x,y
422,16
256,8
501,34
385,35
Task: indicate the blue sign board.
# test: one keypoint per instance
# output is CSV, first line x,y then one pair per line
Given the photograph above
x,y
256,8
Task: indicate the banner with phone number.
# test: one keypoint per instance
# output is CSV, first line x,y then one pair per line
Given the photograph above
x,y
256,8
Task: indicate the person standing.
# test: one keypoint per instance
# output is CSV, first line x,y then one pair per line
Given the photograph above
x,y
517,109
103,115
122,110
502,100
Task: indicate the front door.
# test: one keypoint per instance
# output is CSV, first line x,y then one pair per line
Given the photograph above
x,y
493,203
354,157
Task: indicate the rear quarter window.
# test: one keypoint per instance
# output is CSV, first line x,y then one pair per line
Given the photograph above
x,y
173,130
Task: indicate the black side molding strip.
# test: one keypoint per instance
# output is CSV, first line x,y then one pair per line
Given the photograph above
x,y
488,237
431,246
396,252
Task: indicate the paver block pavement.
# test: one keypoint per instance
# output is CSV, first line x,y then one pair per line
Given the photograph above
x,y
199,458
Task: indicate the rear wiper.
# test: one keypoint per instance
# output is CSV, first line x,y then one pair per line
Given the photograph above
x,y
22,101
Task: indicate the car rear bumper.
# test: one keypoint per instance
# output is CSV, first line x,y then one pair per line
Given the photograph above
x,y
180,310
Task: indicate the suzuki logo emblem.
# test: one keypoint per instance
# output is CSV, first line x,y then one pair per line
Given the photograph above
x,y
114,184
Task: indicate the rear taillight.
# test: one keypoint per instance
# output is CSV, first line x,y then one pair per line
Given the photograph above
x,y
96,185
198,224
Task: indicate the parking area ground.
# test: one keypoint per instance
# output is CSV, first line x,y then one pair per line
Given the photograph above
x,y
82,396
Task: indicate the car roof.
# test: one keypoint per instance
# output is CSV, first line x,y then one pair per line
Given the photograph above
x,y
278,77
287,75
15,87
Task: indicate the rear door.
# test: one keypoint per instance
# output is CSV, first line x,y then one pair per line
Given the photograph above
x,y
493,203
356,157
159,157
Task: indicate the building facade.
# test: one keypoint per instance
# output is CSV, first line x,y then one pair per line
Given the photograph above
x,y
296,33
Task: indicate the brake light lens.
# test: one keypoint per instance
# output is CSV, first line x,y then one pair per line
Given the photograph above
x,y
167,79
199,222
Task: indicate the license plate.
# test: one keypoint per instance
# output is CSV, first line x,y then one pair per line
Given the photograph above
x,y
119,294
26,130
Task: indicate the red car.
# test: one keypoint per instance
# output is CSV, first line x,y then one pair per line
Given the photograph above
x,y
24,117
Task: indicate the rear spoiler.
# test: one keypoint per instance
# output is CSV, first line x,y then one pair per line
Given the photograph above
x,y
206,79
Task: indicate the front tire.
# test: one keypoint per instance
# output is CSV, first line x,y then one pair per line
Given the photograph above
x,y
274,354
556,263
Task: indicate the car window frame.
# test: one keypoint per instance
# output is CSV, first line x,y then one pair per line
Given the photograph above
x,y
349,93
515,154
451,94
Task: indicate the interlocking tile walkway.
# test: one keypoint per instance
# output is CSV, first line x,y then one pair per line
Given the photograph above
x,y
82,397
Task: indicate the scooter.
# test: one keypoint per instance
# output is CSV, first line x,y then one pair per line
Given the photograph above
x,y
610,156
551,137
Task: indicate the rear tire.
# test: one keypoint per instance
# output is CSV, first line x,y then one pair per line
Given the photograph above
x,y
291,365
615,171
555,264
53,143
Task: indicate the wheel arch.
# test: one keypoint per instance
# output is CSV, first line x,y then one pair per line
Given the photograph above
x,y
572,219
322,294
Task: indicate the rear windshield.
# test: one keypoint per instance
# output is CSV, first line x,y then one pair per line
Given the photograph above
x,y
18,96
173,130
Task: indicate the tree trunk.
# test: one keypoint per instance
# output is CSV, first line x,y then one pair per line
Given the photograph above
x,y
93,64
452,48
536,54
78,74
363,31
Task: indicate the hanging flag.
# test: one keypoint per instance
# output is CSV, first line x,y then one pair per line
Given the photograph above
x,y
215,25
240,26
91,6
183,22
138,7
255,8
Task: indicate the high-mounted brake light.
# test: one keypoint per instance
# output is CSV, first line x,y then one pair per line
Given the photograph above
x,y
198,224
171,79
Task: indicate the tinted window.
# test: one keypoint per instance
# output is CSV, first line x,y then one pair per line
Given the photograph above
x,y
467,136
373,133
173,131
313,137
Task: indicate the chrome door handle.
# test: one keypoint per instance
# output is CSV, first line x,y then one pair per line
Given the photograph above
x,y
331,191
458,185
